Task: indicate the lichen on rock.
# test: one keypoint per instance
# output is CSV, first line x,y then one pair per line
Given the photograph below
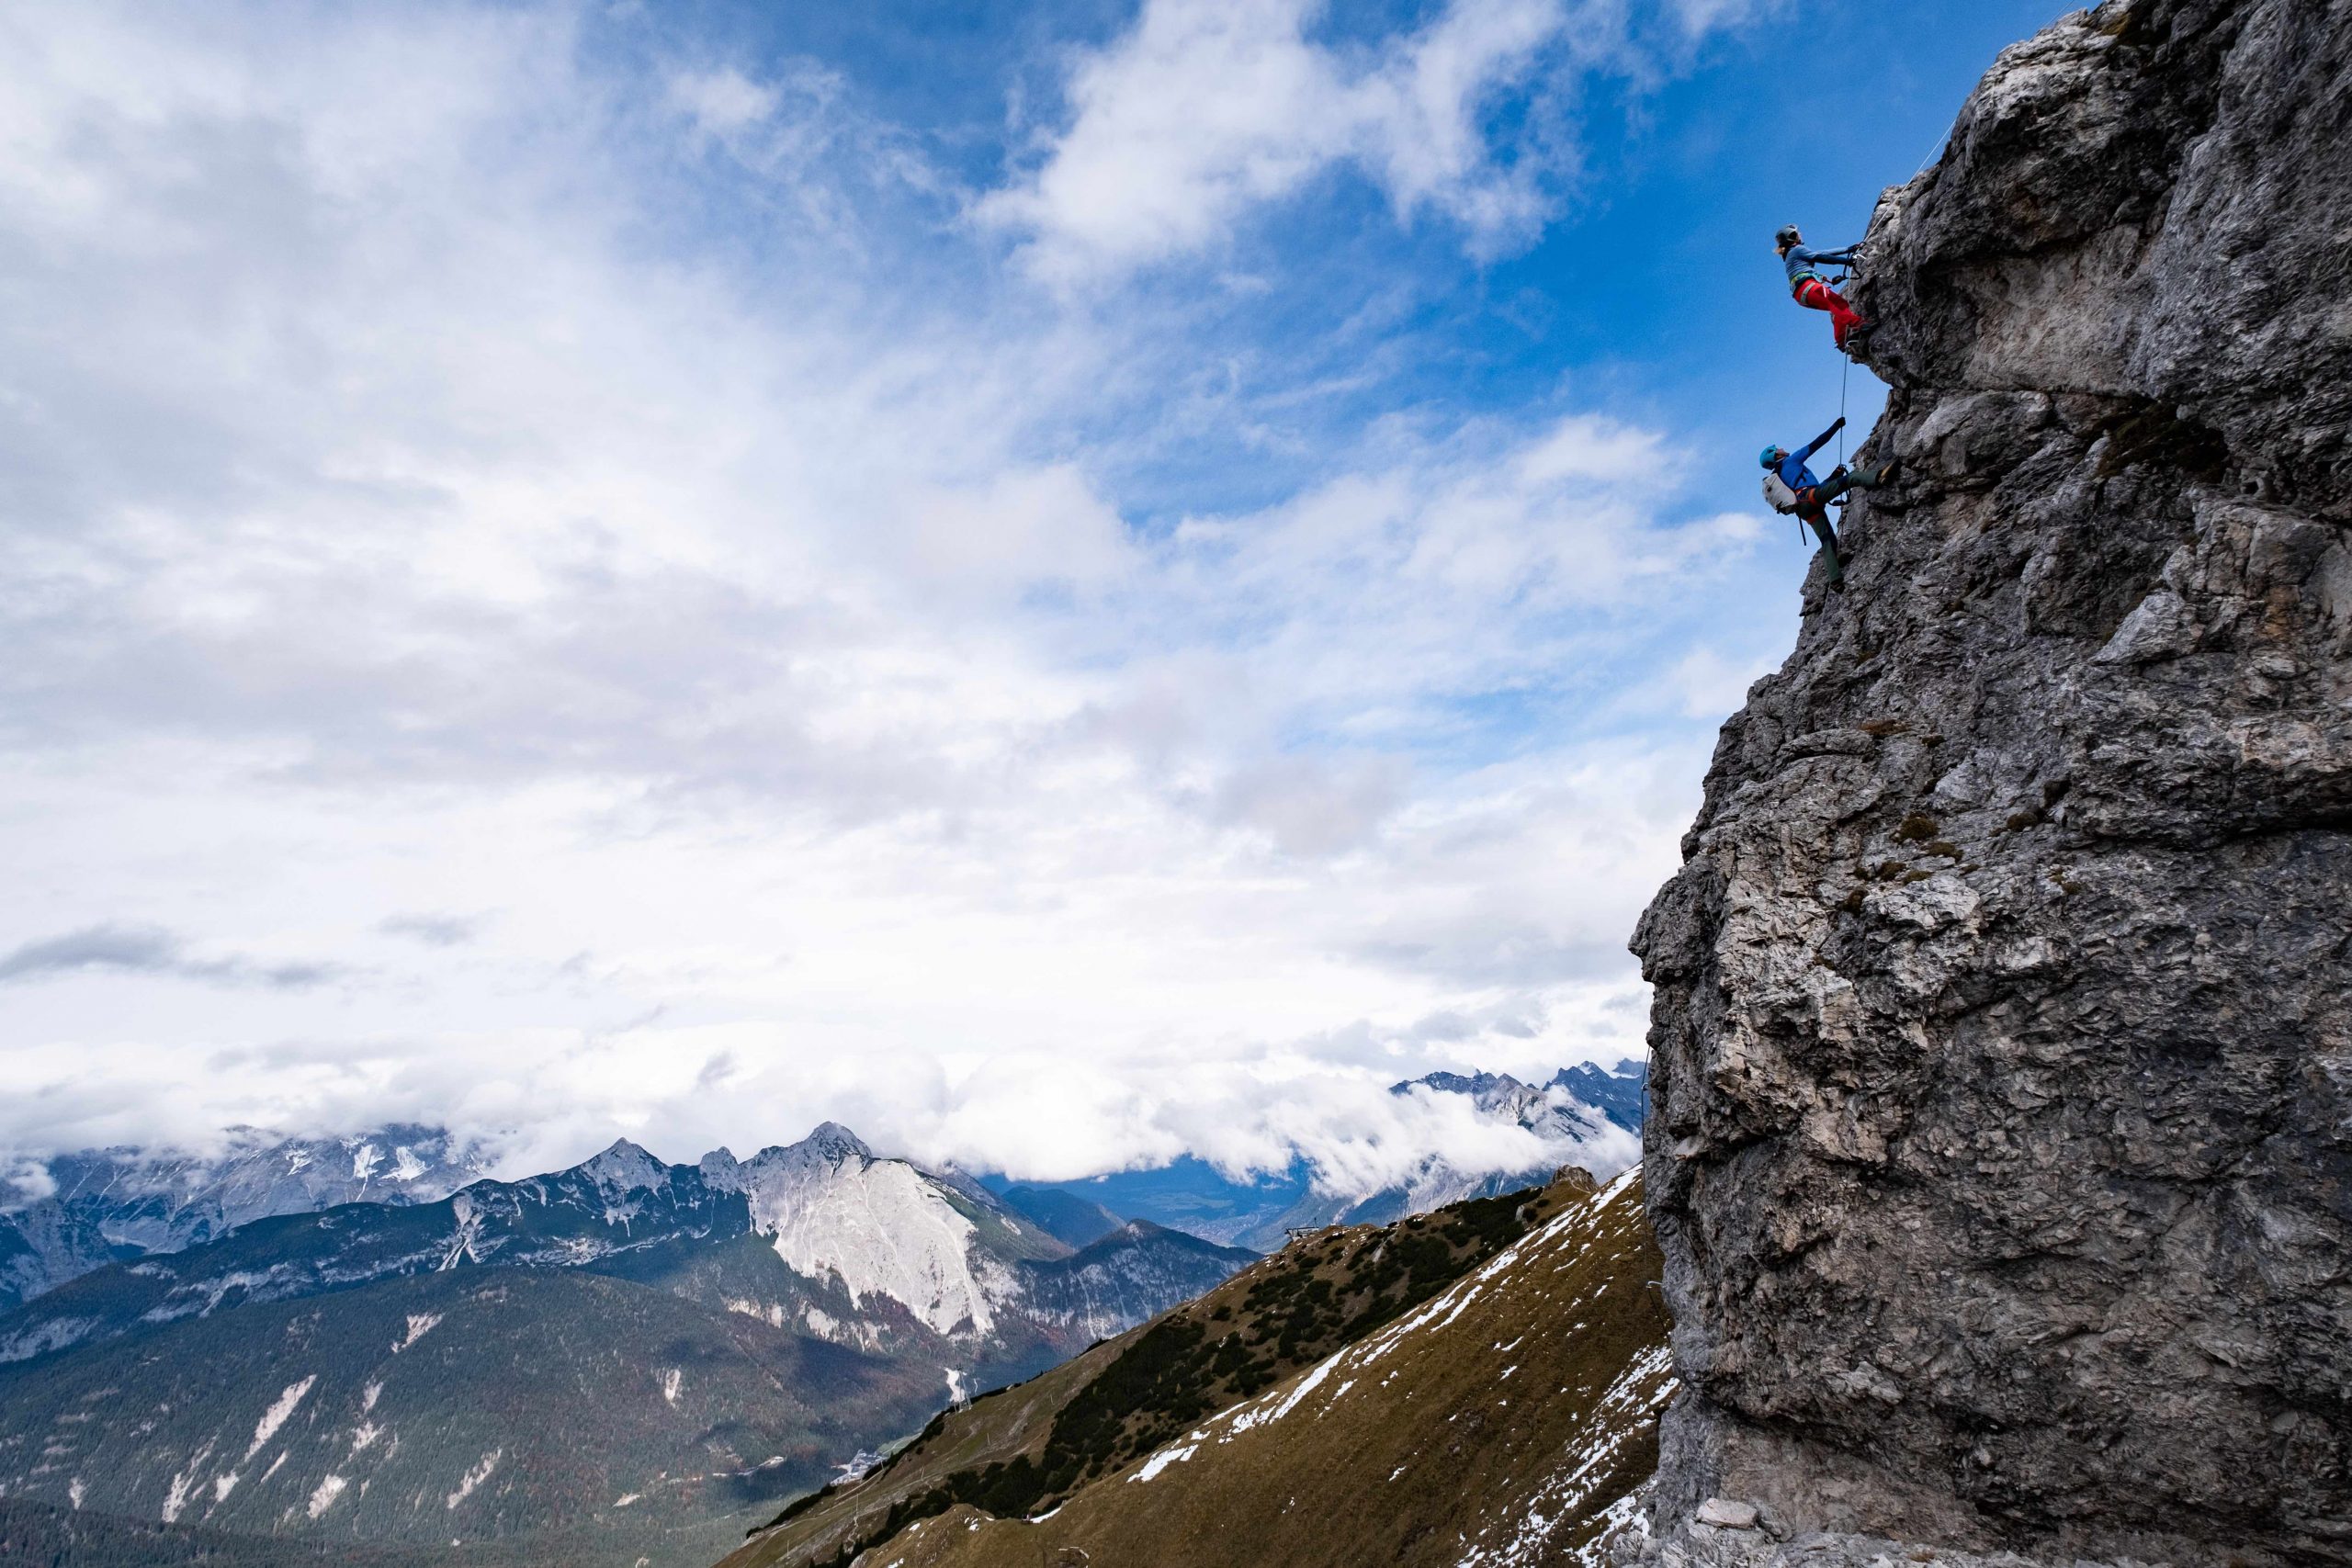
x,y
2001,1153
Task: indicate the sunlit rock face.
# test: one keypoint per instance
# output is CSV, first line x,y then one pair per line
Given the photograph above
x,y
2001,1149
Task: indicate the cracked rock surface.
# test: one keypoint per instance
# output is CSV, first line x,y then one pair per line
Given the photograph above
x,y
1707,1548
2001,1148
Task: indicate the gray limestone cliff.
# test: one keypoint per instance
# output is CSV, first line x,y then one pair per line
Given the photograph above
x,y
2001,1149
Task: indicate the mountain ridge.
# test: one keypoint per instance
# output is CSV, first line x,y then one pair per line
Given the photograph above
x,y
110,1205
1596,1117
881,1230
633,1352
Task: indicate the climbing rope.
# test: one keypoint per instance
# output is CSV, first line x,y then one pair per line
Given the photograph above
x,y
1845,378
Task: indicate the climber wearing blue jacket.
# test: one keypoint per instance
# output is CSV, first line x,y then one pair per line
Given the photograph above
x,y
1792,487
1808,287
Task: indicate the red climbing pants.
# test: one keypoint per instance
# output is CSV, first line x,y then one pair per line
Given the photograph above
x,y
1815,295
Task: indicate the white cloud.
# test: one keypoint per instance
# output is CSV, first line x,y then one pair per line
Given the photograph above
x,y
1704,683
1699,17
24,1182
396,531
1207,109
722,102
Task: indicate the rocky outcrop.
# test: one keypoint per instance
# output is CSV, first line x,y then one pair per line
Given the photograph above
x,y
2001,1143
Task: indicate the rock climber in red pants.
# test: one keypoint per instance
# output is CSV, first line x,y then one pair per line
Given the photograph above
x,y
1809,289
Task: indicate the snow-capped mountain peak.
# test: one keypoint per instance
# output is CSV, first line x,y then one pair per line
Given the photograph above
x,y
1554,1111
881,1226
835,1143
102,1204
626,1167
1620,1093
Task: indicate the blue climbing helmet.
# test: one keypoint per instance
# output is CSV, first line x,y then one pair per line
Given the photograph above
x,y
1771,457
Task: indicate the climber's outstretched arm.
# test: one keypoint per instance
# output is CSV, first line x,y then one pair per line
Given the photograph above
x,y
1821,440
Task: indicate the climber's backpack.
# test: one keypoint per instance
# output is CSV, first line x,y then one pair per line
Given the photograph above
x,y
1778,495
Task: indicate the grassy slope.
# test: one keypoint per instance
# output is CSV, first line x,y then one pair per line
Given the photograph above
x,y
1495,1427
1029,1447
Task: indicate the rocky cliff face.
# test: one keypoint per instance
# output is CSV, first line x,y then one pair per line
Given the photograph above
x,y
2001,1151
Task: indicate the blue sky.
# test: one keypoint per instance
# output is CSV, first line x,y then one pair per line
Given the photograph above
x,y
1061,584
1643,289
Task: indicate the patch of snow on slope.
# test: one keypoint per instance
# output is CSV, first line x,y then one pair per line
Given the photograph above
x,y
672,1378
76,1492
420,1323
460,1246
1262,1415
222,1486
880,1227
406,1166
771,1313
1162,1460
375,1390
1621,1416
274,1417
476,1476
853,1469
201,1297
1622,1524
329,1489
58,1334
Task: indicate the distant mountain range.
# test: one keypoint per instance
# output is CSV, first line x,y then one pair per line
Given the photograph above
x,y
364,1340
110,1205
1584,1115
627,1354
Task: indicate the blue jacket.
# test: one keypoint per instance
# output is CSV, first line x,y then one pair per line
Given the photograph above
x,y
1792,471
1804,263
